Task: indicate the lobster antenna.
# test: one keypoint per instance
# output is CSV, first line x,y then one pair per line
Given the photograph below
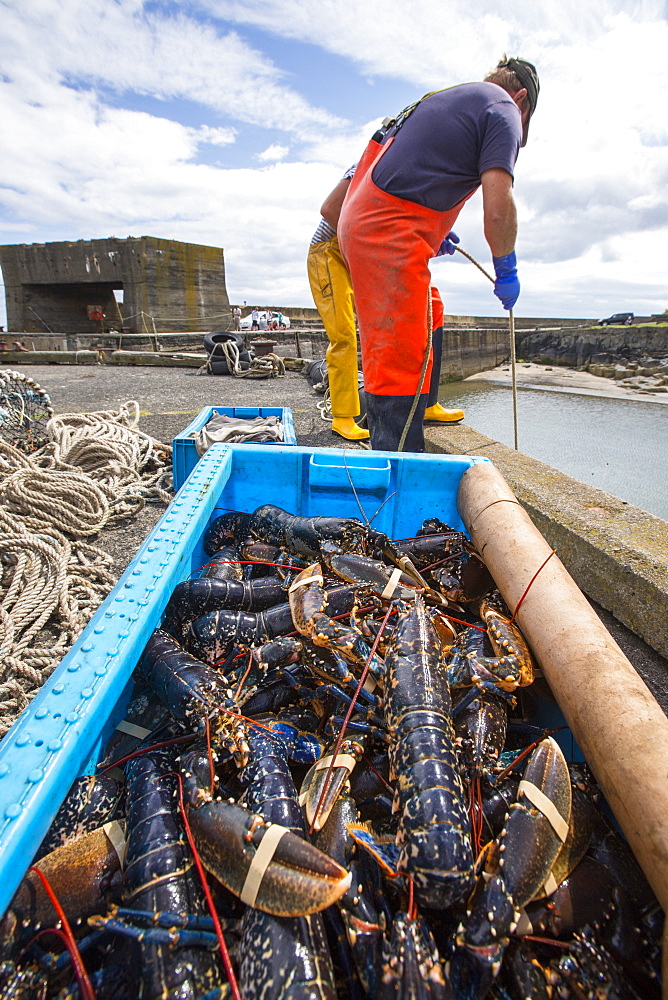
x,y
378,510
352,486
368,521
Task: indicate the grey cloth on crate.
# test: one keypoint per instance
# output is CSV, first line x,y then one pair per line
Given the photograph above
x,y
236,430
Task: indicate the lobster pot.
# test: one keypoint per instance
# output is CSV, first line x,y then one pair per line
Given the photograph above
x,y
184,452
62,733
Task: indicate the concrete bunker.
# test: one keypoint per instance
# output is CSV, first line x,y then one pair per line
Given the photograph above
x,y
136,285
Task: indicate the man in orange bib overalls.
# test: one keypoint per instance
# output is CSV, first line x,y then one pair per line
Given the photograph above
x,y
408,189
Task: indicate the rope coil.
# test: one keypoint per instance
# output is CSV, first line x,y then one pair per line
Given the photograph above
x,y
94,470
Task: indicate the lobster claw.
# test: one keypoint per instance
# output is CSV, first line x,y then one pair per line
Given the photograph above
x,y
478,958
367,572
470,975
325,781
411,966
284,875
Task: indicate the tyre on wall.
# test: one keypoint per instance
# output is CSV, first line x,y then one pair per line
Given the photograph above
x,y
220,337
218,359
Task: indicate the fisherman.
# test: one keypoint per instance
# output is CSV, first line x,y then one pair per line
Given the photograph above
x,y
415,175
333,296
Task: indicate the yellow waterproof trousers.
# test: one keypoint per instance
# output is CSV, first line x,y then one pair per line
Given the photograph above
x,y
333,295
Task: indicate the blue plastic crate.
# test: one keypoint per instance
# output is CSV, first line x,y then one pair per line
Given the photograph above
x,y
63,731
184,452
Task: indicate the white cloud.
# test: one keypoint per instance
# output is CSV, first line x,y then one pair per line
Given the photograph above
x,y
441,43
131,47
273,152
215,136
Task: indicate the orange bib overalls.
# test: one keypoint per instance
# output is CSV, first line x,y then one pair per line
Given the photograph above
x,y
387,243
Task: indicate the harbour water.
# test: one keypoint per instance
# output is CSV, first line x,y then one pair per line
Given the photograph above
x,y
617,445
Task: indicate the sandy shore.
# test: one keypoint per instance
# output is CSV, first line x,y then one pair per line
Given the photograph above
x,y
559,379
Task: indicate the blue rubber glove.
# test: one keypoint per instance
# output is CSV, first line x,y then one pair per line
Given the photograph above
x,y
507,285
448,245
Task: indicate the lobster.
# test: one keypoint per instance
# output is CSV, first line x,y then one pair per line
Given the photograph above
x,y
433,835
281,957
160,876
193,692
213,636
303,536
194,598
536,828
298,879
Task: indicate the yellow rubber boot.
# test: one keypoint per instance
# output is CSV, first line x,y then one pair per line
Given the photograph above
x,y
443,416
348,429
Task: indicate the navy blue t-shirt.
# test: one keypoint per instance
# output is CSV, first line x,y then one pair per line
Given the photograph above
x,y
443,147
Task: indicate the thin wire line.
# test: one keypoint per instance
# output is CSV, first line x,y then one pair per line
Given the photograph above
x,y
511,333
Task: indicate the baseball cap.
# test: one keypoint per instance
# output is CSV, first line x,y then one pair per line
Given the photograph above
x,y
528,77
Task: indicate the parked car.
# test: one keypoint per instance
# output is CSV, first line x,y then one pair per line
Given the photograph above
x,y
265,319
617,319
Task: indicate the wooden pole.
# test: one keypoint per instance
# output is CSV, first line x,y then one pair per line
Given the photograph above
x,y
616,721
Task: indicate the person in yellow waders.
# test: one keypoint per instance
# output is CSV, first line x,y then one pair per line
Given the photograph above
x,y
333,296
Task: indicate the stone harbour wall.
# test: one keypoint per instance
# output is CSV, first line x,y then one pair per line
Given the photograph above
x,y
594,345
635,356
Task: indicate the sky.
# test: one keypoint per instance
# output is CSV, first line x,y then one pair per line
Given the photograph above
x,y
227,122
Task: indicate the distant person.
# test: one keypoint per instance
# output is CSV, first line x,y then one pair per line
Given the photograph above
x,y
255,319
409,187
236,318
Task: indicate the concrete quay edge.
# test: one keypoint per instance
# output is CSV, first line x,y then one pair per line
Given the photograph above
x,y
616,553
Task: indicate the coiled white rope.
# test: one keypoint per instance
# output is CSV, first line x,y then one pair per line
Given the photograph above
x,y
324,406
128,465
95,469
